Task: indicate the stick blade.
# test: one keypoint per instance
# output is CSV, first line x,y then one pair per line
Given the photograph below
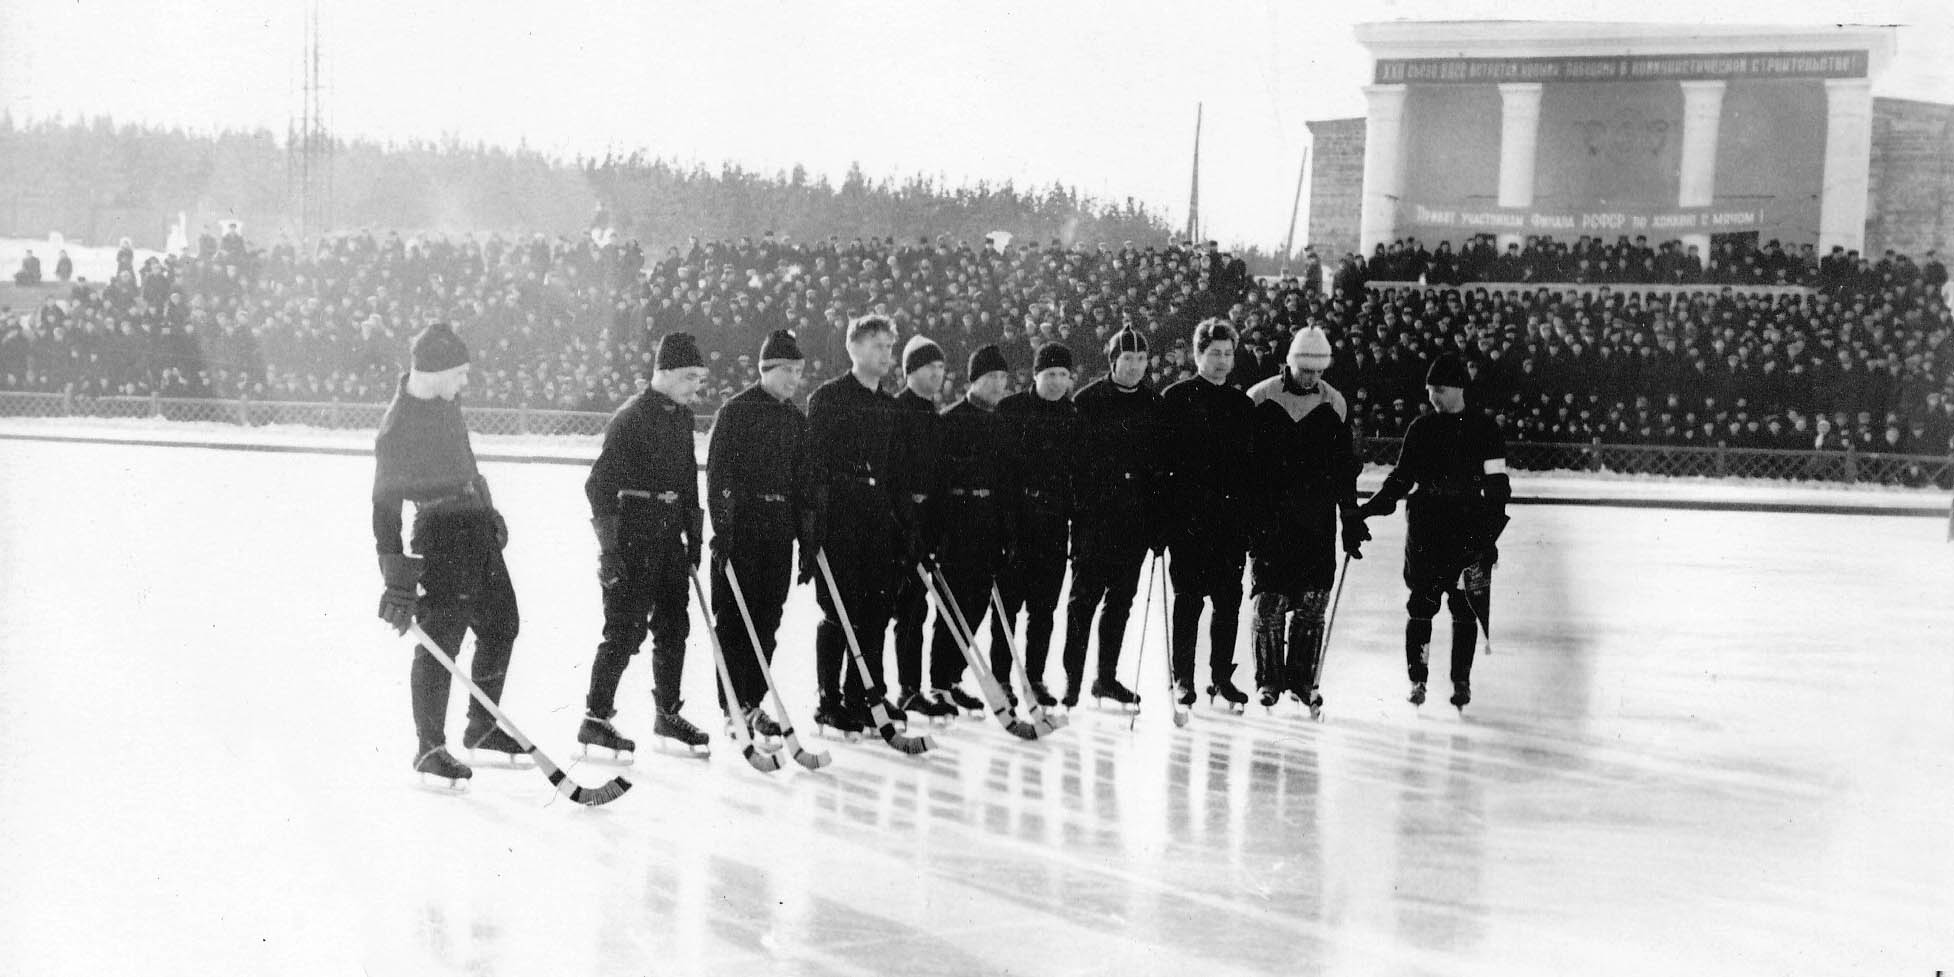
x,y
911,745
598,796
761,760
1022,730
812,760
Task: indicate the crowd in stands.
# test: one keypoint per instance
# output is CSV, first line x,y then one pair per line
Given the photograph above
x,y
1858,357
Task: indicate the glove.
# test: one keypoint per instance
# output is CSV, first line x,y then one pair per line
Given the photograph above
x,y
1379,505
402,574
501,530
1355,533
610,562
1489,550
695,535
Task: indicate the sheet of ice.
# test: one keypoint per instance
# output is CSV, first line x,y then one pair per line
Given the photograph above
x,y
1705,742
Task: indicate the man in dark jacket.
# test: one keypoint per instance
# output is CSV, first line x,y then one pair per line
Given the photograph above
x,y
754,486
1040,424
1115,512
643,491
1206,439
972,531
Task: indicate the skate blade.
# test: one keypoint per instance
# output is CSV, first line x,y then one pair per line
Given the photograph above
x,y
847,736
617,758
443,786
700,751
495,759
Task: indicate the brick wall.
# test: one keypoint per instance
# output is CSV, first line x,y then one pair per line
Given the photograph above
x,y
1336,184
1910,205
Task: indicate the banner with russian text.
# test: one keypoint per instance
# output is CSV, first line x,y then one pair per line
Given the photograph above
x,y
1456,221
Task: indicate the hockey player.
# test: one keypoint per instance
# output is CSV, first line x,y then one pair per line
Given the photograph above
x,y
918,433
644,506
1207,438
977,486
1115,511
1455,459
1309,469
1041,424
850,477
754,485
458,581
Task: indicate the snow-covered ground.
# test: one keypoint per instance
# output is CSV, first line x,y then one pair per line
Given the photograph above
x,y
1706,742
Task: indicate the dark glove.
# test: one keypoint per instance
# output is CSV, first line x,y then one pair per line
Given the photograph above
x,y
1355,533
1489,549
501,530
610,562
402,574
695,535
1379,505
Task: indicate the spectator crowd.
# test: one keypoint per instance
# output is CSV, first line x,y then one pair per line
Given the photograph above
x,y
1857,356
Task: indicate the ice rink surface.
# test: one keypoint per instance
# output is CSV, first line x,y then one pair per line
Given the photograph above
x,y
1706,743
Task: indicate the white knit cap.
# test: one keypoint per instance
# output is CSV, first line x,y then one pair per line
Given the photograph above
x,y
1314,348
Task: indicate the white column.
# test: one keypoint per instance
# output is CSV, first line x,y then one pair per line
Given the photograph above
x,y
1848,163
1702,116
1519,144
1383,166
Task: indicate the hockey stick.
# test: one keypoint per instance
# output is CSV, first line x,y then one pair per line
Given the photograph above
x,y
756,758
1331,624
1045,721
588,796
884,724
1146,611
986,682
806,758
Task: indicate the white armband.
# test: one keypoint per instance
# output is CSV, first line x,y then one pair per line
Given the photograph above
x,y
1495,466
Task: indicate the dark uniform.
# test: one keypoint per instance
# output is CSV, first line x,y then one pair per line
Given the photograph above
x,y
1040,455
1308,467
918,433
645,484
1453,467
850,474
424,457
755,485
1206,438
1115,519
973,532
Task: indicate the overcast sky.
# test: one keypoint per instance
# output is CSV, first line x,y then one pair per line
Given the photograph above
x,y
1099,95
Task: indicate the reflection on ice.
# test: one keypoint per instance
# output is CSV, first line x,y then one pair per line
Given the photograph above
x,y
1672,756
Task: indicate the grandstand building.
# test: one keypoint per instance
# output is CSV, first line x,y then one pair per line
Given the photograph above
x,y
1671,132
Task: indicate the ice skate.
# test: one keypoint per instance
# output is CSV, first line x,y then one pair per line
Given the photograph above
x,y
1314,700
765,732
1109,688
1267,697
1042,695
1417,697
437,764
831,716
1461,694
1071,693
670,728
965,701
489,738
598,732
1225,690
931,707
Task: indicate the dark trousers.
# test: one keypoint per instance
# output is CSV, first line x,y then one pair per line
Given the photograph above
x,y
1105,566
861,550
1206,565
465,585
652,599
1438,548
912,606
766,571
1031,581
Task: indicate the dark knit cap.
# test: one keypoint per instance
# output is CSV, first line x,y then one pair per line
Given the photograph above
x,y
1052,356
437,348
677,351
919,353
1448,371
987,359
780,348
1125,341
